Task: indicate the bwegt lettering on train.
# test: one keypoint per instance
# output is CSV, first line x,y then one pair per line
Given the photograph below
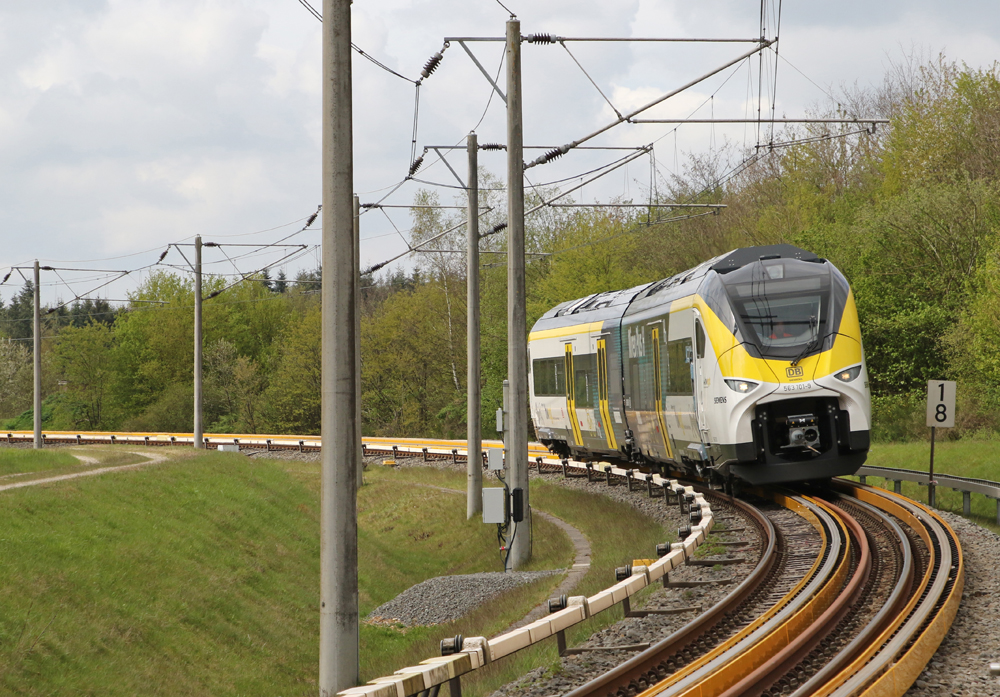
x,y
748,366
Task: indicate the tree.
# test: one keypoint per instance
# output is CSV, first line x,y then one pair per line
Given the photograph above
x,y
15,378
294,397
82,357
250,384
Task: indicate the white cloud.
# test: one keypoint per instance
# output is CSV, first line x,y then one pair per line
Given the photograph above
x,y
126,124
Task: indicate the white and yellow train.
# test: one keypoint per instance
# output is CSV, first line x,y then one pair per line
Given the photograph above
x,y
747,366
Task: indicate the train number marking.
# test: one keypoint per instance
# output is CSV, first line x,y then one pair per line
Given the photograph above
x,y
798,387
720,400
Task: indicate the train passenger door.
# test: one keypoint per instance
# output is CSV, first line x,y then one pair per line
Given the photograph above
x,y
574,418
658,390
602,394
703,392
682,402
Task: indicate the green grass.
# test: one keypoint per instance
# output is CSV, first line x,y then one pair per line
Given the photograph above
x,y
200,576
964,458
194,577
17,460
617,534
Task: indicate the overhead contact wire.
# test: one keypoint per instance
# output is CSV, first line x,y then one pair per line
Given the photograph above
x,y
582,69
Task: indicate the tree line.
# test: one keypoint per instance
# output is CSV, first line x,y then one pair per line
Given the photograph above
x,y
908,212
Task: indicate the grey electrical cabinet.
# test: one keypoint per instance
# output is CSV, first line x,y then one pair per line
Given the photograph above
x,y
495,505
494,459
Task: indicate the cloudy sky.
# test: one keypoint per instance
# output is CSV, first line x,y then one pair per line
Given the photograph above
x,y
126,125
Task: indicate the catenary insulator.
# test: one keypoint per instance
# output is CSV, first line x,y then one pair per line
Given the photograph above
x,y
8,276
431,65
312,219
496,228
540,39
556,153
492,146
374,268
415,165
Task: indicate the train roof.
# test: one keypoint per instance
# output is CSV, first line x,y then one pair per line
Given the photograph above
x,y
738,258
592,308
614,304
730,261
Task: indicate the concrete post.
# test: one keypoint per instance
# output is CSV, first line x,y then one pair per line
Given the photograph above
x,y
338,643
357,335
37,342
517,339
474,462
199,435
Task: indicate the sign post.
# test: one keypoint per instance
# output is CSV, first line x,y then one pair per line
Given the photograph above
x,y
940,412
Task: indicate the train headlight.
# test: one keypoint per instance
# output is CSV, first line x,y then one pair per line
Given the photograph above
x,y
743,386
849,374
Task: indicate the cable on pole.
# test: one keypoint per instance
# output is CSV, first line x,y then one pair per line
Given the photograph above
x,y
316,13
123,274
584,71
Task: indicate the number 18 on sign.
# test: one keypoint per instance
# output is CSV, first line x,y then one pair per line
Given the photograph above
x,y
940,413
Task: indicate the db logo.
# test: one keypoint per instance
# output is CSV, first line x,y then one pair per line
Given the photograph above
x,y
794,372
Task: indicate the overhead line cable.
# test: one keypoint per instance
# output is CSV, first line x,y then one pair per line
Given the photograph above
x,y
613,108
316,14
80,297
557,152
287,257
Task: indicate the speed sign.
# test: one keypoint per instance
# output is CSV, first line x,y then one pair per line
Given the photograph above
x,y
941,403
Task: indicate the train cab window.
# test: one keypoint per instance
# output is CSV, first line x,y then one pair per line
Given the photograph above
x,y
699,337
549,377
782,306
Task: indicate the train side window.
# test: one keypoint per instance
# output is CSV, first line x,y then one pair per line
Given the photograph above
x,y
699,335
680,367
633,387
585,367
549,377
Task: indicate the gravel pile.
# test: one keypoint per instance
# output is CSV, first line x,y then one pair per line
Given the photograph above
x,y
448,598
258,453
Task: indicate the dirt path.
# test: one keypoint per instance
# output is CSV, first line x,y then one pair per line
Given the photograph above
x,y
153,459
581,561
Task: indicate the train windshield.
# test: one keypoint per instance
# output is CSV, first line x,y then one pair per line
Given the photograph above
x,y
781,305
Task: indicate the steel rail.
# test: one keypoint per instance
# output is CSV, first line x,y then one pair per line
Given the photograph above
x,y
639,666
736,658
891,608
890,664
812,629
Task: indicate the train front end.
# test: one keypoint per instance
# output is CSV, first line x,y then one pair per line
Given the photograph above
x,y
792,378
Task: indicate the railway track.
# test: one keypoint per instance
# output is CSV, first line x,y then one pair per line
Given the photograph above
x,y
861,591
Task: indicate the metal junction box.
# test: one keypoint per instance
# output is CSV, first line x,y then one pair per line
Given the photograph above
x,y
495,505
494,459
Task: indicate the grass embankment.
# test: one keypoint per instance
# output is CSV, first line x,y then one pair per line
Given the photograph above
x,y
194,577
617,534
964,458
24,464
201,576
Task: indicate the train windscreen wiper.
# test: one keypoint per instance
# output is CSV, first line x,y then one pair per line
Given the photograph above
x,y
812,342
